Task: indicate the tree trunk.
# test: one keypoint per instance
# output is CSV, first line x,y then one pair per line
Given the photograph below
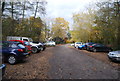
x,y
36,9
3,6
23,10
12,10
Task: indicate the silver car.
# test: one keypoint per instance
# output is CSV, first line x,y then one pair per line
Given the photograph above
x,y
114,55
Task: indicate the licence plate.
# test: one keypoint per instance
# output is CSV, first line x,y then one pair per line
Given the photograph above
x,y
27,55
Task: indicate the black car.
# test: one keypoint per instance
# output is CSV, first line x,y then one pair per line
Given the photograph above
x,y
13,52
99,47
88,45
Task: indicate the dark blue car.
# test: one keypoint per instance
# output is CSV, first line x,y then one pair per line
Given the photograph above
x,y
12,52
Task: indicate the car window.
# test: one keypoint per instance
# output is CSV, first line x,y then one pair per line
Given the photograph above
x,y
35,42
99,45
21,46
13,45
26,43
25,39
78,43
5,44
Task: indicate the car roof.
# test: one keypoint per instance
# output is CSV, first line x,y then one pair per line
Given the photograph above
x,y
18,41
10,42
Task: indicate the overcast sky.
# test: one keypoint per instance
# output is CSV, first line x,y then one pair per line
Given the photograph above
x,y
65,8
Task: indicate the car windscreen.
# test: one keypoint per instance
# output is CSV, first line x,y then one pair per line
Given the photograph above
x,y
5,44
99,45
21,46
13,45
35,42
26,43
78,43
91,43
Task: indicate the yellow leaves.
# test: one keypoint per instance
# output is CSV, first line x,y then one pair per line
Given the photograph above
x,y
31,18
59,27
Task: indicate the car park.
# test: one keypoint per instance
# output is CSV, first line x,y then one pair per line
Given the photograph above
x,y
25,43
99,47
13,52
77,44
114,55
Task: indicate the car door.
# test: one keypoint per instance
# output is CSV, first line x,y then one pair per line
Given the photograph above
x,y
5,50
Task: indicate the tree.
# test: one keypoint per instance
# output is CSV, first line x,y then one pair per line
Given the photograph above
x,y
60,28
39,7
82,26
16,23
107,21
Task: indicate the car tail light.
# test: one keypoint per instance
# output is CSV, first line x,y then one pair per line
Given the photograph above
x,y
20,50
90,46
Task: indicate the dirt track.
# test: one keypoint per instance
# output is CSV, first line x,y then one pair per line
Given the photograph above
x,y
64,62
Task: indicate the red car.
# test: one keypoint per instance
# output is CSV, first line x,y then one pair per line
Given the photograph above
x,y
26,44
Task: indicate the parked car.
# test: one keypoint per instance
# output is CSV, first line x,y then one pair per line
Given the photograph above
x,y
88,45
83,46
42,45
50,43
77,44
99,47
13,52
25,43
72,44
114,55
36,48
18,38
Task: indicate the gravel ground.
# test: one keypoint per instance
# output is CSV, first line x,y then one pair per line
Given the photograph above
x,y
70,63
34,66
102,56
56,63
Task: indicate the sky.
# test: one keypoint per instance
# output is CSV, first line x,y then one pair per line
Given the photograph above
x,y
65,8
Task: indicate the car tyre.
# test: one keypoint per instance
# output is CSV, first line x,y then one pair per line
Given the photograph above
x,y
12,59
41,49
94,50
34,50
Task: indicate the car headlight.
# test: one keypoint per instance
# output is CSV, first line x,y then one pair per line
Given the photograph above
x,y
115,55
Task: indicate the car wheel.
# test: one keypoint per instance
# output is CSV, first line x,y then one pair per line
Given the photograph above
x,y
34,50
41,48
94,50
38,51
82,48
12,59
44,48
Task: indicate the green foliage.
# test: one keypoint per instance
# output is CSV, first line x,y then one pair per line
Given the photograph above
x,y
99,25
15,23
60,28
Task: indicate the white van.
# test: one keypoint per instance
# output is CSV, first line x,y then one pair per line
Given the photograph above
x,y
18,38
